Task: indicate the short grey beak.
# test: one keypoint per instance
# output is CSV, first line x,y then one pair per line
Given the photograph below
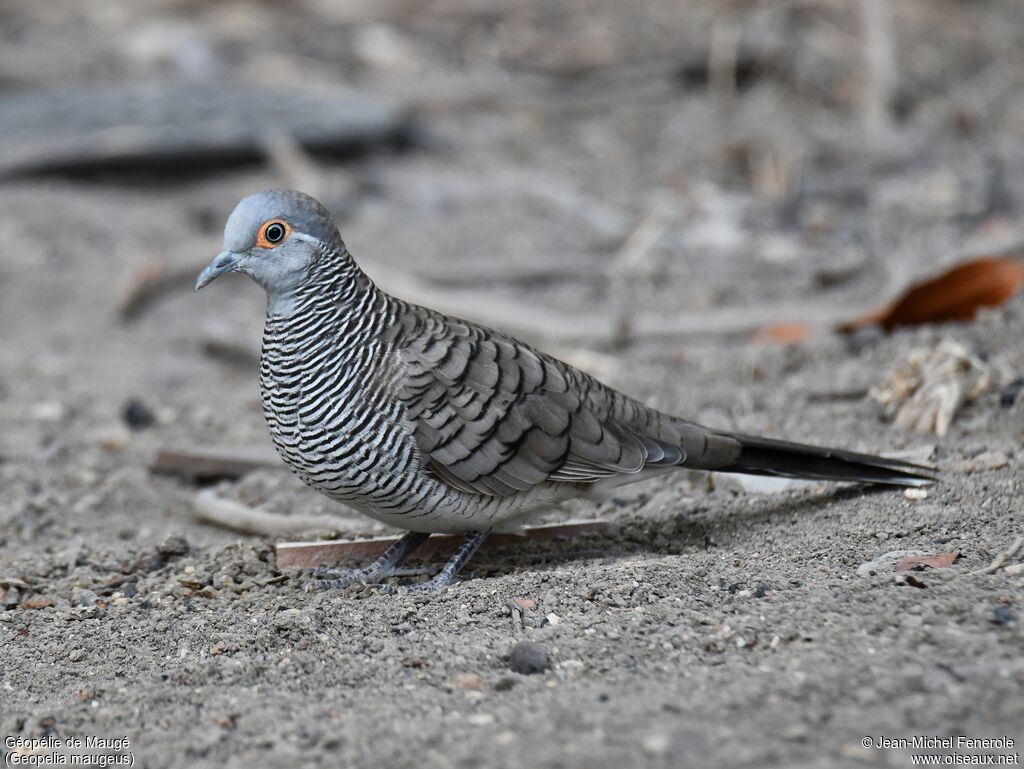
x,y
226,261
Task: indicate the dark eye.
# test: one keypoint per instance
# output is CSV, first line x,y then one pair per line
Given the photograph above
x,y
274,233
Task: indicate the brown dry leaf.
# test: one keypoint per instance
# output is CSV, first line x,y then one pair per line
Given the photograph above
x,y
956,294
935,561
37,603
783,333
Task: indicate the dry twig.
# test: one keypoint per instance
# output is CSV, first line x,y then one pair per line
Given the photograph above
x,y
1002,558
880,68
228,514
211,464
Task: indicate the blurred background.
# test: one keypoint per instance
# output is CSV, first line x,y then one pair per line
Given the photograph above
x,y
649,182
682,197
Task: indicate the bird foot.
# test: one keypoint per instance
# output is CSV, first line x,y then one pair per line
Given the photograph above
x,y
436,585
387,566
332,579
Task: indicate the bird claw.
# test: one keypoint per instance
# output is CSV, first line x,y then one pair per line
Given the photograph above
x,y
383,587
388,566
328,578
328,584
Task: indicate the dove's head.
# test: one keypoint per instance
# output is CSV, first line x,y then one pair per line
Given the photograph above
x,y
280,239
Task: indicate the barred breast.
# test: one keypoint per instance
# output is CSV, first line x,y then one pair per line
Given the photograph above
x,y
329,377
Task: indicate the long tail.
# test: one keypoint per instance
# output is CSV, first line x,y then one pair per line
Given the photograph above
x,y
763,456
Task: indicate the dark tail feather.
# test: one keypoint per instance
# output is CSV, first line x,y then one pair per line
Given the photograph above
x,y
762,456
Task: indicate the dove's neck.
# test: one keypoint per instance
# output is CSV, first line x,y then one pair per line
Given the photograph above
x,y
334,288
339,308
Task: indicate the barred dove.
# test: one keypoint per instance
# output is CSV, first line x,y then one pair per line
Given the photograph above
x,y
434,424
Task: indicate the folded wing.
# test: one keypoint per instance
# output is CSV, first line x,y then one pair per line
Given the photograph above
x,y
493,416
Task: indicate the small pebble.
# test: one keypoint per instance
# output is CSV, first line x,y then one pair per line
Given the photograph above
x,y
174,545
47,411
469,681
40,602
137,415
571,668
81,597
1003,616
528,658
115,438
288,618
656,744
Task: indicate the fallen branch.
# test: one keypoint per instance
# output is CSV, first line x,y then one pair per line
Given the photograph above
x,y
212,464
306,555
211,508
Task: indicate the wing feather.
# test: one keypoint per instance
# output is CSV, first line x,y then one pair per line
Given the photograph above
x,y
495,417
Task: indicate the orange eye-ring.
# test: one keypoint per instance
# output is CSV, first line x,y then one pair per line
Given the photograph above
x,y
272,233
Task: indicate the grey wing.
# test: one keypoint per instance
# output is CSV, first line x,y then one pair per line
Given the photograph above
x,y
492,416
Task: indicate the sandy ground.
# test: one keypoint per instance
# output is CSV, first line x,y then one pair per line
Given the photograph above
x,y
578,155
